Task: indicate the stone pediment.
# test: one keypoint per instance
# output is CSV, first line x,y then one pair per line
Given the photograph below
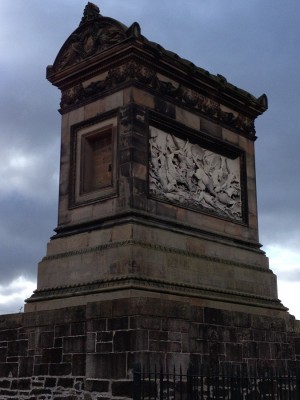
x,y
94,35
97,33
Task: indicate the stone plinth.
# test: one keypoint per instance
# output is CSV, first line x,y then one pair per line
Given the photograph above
x,y
89,351
157,179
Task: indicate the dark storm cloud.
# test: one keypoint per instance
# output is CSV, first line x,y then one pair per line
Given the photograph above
x,y
254,44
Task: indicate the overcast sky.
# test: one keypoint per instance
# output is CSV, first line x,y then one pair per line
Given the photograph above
x,y
253,43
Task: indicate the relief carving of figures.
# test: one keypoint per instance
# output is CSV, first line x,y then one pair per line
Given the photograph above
x,y
193,176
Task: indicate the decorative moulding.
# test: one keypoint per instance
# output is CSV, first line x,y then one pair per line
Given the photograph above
x,y
136,73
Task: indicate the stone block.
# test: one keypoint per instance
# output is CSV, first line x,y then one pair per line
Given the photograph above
x,y
96,325
17,348
77,328
39,392
152,323
97,385
229,136
5,384
50,356
210,128
197,314
264,351
143,98
250,350
139,171
175,325
58,342
148,360
164,107
9,334
105,336
45,339
113,101
122,388
104,347
8,370
60,369
26,366
174,336
297,346
65,382
67,358
118,323
132,340
78,364
187,118
50,382
93,109
174,347
139,186
178,360
198,346
159,335
21,384
41,369
74,344
219,317
10,321
215,349
99,310
106,366
234,352
158,346
241,320
185,343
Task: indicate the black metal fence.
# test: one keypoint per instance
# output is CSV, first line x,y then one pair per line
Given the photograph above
x,y
208,384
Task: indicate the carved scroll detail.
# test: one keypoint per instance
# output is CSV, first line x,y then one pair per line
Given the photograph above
x,y
192,176
93,39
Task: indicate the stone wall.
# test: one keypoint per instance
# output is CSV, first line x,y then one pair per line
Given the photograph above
x,y
89,352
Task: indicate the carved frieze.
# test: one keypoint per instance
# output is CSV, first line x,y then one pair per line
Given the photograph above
x,y
148,77
192,176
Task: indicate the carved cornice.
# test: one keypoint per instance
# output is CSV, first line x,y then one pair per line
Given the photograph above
x,y
97,33
135,72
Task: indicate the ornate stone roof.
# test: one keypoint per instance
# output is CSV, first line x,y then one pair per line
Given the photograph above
x,y
97,37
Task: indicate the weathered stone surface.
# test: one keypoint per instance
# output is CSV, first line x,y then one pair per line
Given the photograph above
x,y
145,331
133,277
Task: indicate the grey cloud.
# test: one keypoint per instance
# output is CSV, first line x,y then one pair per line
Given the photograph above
x,y
26,226
253,44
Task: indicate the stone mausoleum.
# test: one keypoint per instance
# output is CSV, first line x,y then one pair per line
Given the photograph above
x,y
156,257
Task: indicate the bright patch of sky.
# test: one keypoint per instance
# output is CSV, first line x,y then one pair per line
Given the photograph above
x,y
12,296
285,263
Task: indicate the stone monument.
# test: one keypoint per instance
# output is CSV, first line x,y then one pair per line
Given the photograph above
x,y
157,179
156,258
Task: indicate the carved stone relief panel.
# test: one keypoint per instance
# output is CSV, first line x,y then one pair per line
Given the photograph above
x,y
192,176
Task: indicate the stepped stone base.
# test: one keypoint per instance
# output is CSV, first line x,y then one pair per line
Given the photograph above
x,y
135,259
89,351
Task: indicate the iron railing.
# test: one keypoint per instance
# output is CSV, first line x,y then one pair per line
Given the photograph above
x,y
209,384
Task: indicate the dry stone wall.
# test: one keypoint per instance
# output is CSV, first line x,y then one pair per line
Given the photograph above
x,y
89,352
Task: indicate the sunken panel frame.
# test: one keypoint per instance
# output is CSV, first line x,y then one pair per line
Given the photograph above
x,y
81,133
208,142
